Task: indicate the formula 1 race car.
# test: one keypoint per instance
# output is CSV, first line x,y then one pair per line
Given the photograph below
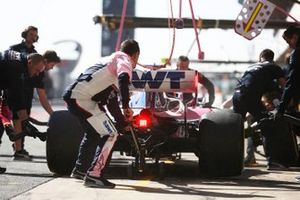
x,y
162,127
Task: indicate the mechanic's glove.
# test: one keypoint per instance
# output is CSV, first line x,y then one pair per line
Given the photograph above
x,y
12,135
128,113
29,128
32,131
127,128
123,128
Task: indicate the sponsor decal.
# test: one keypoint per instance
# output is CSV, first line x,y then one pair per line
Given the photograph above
x,y
155,80
107,126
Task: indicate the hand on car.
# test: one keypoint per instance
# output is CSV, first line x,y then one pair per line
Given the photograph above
x,y
128,127
128,113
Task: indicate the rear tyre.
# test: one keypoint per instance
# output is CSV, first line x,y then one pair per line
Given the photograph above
x,y
131,170
64,137
221,150
161,170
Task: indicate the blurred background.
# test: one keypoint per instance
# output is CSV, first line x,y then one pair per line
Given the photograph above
x,y
73,29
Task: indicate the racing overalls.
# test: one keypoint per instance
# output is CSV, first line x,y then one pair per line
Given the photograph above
x,y
13,70
86,97
292,87
22,48
257,80
30,83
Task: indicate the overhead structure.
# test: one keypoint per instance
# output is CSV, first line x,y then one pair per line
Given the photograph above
x,y
177,23
277,20
113,22
109,37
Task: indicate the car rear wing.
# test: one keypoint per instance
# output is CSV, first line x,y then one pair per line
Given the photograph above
x,y
164,81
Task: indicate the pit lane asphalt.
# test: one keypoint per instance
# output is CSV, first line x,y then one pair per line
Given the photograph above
x,y
33,180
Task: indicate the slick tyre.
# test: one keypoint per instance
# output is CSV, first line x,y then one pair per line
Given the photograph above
x,y
221,144
64,137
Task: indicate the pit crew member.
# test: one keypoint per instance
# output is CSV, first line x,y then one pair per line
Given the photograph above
x,y
256,81
14,69
97,87
291,93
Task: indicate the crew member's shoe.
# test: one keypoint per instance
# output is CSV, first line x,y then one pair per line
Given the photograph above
x,y
22,155
2,170
276,166
77,174
98,182
297,179
250,163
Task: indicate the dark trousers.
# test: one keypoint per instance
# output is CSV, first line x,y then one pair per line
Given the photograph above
x,y
91,143
243,103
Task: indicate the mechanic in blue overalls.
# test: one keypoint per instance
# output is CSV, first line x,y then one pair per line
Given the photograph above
x,y
290,99
97,87
13,70
50,59
291,93
256,81
30,36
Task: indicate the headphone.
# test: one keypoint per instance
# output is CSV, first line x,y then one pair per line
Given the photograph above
x,y
29,28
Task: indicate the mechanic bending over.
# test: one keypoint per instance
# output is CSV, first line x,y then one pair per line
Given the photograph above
x,y
30,36
98,86
256,81
13,71
183,64
50,60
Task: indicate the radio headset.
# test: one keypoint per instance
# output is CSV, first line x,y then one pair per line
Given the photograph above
x,y
29,28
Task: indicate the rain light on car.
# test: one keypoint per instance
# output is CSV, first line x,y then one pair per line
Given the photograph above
x,y
143,120
143,123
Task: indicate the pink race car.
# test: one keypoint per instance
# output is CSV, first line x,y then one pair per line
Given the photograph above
x,y
163,127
